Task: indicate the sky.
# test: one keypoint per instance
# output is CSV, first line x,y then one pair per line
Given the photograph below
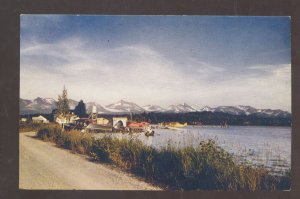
x,y
161,60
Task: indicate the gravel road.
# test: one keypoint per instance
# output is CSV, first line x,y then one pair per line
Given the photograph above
x,y
44,166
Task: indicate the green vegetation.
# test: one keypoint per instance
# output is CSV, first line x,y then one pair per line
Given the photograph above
x,y
207,167
210,118
80,109
63,103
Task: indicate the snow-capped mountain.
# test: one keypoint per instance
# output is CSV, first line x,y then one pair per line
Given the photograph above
x,y
72,103
100,109
23,103
275,113
124,107
181,108
247,110
46,105
153,108
39,105
229,109
207,109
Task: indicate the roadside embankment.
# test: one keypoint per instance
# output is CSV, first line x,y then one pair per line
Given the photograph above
x,y
44,166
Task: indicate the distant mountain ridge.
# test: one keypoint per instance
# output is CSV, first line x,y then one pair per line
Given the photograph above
x,y
45,105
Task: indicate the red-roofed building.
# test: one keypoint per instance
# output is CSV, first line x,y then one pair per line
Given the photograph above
x,y
137,126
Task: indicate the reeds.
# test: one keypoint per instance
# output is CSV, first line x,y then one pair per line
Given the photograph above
x,y
206,167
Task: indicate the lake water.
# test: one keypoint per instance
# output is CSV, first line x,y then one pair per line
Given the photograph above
x,y
261,146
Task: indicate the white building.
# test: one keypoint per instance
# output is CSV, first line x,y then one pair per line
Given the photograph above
x,y
122,120
40,119
70,118
23,119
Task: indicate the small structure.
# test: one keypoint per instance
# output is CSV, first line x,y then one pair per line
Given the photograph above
x,y
79,124
39,119
119,121
94,114
23,119
61,120
73,118
70,118
102,120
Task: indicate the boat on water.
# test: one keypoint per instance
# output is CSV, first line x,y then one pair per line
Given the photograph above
x,y
176,125
149,131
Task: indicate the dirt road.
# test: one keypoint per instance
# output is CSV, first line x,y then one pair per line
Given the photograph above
x,y
44,166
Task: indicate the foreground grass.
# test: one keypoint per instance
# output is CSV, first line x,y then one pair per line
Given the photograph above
x,y
207,167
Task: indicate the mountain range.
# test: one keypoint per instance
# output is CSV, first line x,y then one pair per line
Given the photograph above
x,y
45,105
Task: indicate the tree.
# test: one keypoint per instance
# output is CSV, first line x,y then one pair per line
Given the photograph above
x,y
63,103
80,109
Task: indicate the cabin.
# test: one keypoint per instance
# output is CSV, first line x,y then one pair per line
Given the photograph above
x,y
39,119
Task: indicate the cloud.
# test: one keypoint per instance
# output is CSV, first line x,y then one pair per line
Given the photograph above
x,y
271,90
142,74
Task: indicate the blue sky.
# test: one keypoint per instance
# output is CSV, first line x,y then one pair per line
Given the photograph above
x,y
163,60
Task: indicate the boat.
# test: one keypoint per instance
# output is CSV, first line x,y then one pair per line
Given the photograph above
x,y
149,131
176,125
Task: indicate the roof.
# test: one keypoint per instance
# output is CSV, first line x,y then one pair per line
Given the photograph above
x,y
39,117
138,124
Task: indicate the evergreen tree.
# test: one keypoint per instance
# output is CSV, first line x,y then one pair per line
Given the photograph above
x,y
63,103
80,109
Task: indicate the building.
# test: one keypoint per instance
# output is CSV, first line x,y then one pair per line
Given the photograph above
x,y
23,119
70,118
39,119
119,121
138,126
102,121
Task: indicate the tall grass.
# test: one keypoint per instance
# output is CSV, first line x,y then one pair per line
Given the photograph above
x,y
207,167
30,126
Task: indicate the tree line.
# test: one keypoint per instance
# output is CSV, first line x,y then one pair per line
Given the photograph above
x,y
208,118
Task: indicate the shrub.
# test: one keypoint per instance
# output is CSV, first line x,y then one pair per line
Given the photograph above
x,y
30,126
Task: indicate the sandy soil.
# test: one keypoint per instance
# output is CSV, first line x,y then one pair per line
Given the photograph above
x,y
44,166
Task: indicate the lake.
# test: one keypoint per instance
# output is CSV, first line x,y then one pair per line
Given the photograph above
x,y
256,145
